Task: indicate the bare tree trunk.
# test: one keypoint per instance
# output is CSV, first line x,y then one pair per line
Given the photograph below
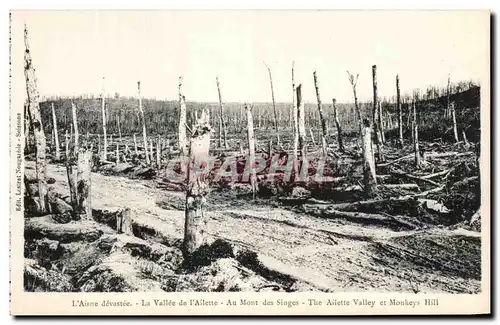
x,y
222,125
135,146
376,119
183,145
198,187
75,126
105,136
301,122
151,153
400,112
454,120
84,206
337,123
369,173
118,125
251,151
144,135
466,142
117,153
312,138
158,153
415,136
71,170
274,106
448,90
27,127
36,122
324,128
56,134
295,114
381,122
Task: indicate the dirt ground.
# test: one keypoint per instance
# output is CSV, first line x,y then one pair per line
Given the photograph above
x,y
326,254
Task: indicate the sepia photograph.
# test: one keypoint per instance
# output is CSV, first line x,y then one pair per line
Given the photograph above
x,y
250,161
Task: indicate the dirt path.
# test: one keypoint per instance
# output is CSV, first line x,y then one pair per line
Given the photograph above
x,y
333,255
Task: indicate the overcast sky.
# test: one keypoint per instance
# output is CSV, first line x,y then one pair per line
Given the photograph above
x,y
73,50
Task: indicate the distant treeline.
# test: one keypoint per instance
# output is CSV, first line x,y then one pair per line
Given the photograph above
x,y
162,116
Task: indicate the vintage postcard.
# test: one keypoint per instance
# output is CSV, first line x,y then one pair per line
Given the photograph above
x,y
249,162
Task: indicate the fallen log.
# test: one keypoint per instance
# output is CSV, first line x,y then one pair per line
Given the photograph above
x,y
416,178
395,223
395,161
441,173
62,232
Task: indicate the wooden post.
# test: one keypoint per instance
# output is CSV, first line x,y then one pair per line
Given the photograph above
x,y
295,115
369,173
222,124
135,146
36,123
105,137
454,120
251,151
337,123
56,134
141,111
183,145
375,117
324,128
275,116
197,188
415,134
400,112
83,188
301,122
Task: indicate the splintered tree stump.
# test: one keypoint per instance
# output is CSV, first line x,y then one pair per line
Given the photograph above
x,y
84,207
198,186
36,123
324,128
141,111
124,222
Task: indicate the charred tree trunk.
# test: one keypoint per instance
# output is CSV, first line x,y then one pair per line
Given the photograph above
x,y
301,122
448,90
141,111
124,222
295,115
36,122
381,122
118,125
369,173
337,123
183,145
158,153
198,187
400,112
27,128
376,116
222,124
105,136
418,161
275,116
324,128
71,169
56,133
84,206
251,151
